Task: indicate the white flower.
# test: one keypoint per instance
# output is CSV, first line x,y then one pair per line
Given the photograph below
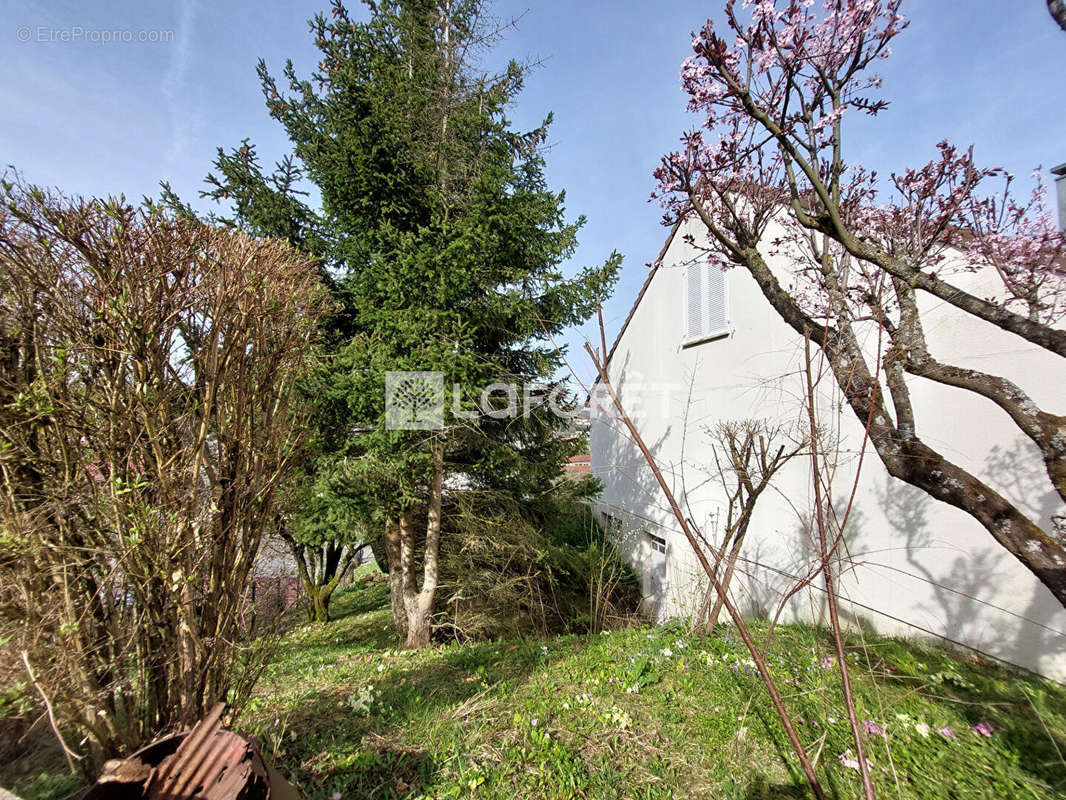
x,y
619,717
847,761
667,652
534,722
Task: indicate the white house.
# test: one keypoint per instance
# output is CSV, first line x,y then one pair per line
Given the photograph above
x,y
701,345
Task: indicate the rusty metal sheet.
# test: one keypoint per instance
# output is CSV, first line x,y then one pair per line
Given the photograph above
x,y
206,763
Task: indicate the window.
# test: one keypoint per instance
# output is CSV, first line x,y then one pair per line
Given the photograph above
x,y
706,311
612,526
653,576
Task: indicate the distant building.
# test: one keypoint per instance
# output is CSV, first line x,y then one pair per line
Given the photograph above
x,y
578,465
276,586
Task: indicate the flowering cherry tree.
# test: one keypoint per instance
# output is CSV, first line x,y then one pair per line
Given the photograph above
x,y
774,92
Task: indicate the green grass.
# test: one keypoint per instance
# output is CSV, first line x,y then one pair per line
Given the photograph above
x,y
643,713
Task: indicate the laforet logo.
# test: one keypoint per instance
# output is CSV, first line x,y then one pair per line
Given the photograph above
x,y
414,401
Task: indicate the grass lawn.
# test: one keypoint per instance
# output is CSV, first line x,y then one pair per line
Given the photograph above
x,y
643,713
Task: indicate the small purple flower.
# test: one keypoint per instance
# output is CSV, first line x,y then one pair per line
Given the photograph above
x,y
947,733
827,663
873,728
983,729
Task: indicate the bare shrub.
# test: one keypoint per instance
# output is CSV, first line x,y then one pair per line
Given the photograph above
x,y
747,455
148,413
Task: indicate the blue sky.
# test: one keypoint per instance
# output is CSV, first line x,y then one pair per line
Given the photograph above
x,y
96,117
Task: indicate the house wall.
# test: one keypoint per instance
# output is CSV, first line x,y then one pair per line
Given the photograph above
x,y
919,566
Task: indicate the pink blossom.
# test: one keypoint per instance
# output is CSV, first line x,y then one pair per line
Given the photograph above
x,y
982,729
947,733
873,728
731,167
783,77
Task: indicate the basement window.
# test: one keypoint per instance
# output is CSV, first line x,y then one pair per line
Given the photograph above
x,y
706,303
657,543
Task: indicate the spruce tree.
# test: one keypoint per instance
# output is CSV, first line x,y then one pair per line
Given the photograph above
x,y
443,246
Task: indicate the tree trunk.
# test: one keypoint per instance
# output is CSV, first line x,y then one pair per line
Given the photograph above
x,y
705,626
392,556
319,606
1046,431
420,605
727,578
321,569
824,551
419,626
904,455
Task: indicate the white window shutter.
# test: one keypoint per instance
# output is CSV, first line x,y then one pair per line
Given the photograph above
x,y
694,301
717,318
706,307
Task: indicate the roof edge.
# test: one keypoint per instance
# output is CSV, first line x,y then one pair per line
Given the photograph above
x,y
640,295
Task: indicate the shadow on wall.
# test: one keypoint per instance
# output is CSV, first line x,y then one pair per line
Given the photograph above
x,y
773,573
632,538
1016,471
958,585
632,492
1019,471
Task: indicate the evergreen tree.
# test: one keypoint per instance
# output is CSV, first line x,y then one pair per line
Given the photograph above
x,y
442,244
